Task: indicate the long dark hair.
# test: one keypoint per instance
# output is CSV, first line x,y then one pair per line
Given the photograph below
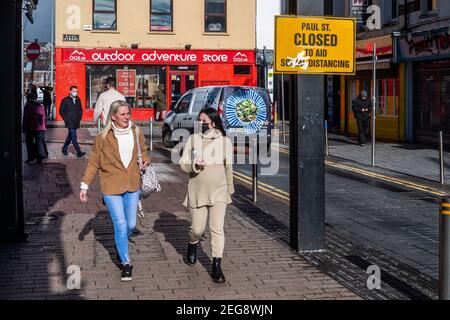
x,y
215,118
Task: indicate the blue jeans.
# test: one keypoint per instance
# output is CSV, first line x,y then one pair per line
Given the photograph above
x,y
122,209
72,137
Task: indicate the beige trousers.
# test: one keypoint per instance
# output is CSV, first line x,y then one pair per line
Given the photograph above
x,y
199,217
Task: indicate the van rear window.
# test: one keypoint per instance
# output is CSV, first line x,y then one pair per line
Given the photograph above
x,y
246,108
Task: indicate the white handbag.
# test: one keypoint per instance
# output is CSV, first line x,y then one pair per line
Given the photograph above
x,y
149,178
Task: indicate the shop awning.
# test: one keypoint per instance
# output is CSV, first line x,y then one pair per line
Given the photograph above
x,y
368,65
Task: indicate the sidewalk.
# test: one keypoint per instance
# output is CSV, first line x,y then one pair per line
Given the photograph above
x,y
410,159
64,232
403,160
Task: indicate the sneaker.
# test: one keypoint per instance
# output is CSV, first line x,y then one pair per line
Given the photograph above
x,y
65,153
126,273
81,154
136,233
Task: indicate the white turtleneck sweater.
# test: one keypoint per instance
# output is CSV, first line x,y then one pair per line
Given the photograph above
x,y
125,139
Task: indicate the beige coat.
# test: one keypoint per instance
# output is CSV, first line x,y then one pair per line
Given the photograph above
x,y
114,177
214,183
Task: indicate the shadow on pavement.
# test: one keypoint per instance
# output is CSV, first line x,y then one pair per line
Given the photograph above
x,y
103,229
38,266
175,231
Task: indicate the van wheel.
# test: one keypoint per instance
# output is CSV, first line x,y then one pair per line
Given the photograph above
x,y
167,138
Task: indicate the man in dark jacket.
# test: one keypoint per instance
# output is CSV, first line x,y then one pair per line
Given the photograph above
x,y
71,112
362,107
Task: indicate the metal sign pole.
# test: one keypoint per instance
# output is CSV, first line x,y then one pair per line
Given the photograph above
x,y
151,133
374,110
283,110
307,159
441,157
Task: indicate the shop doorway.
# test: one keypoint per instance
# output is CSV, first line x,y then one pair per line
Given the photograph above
x,y
180,82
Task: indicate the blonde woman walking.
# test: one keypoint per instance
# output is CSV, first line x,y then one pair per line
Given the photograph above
x,y
115,155
207,158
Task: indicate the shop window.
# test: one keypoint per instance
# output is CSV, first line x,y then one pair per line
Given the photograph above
x,y
215,15
161,15
428,6
388,97
242,70
104,15
139,87
432,99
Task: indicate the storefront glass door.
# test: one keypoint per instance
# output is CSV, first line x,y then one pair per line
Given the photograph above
x,y
180,82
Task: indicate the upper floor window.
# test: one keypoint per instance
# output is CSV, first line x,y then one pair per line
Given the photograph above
x,y
161,15
394,9
215,15
104,15
390,11
427,6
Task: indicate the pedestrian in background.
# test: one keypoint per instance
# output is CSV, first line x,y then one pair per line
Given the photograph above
x,y
160,103
362,107
105,100
71,111
115,155
207,158
34,127
47,100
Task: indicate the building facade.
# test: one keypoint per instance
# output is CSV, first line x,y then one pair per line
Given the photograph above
x,y
145,43
423,48
412,42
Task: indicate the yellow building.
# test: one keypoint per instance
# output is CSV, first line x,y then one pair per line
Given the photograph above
x,y
181,44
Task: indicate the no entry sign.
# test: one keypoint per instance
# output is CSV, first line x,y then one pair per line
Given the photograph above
x,y
319,45
33,51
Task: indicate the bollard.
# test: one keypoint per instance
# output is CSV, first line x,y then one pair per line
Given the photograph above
x,y
327,151
255,170
441,157
151,133
444,249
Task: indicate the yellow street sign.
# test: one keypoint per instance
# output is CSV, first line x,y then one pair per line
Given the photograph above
x,y
320,45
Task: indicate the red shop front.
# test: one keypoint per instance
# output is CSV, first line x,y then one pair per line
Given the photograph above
x,y
139,73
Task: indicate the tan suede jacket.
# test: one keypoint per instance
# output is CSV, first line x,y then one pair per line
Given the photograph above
x,y
115,179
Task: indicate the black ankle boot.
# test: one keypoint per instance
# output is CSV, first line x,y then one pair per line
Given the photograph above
x,y
217,274
191,255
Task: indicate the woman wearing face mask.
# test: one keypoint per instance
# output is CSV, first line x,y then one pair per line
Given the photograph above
x,y
115,155
207,158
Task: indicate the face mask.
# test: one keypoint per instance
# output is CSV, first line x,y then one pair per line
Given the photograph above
x,y
205,127
73,94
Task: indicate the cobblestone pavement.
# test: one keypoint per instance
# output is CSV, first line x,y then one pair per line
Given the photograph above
x,y
64,232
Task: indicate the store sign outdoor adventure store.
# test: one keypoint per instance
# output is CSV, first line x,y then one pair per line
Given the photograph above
x,y
158,56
